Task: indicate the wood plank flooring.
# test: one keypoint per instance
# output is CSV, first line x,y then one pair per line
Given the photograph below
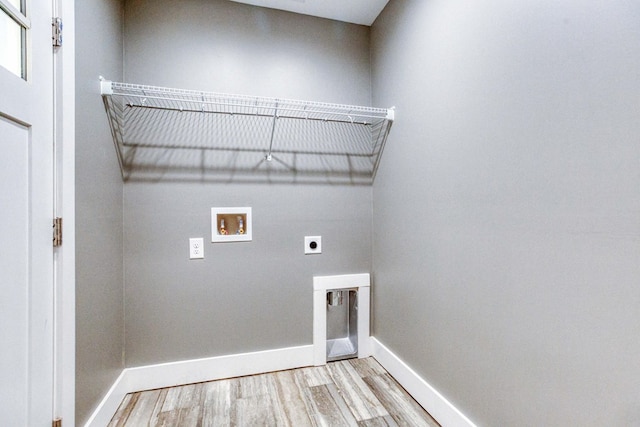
x,y
354,392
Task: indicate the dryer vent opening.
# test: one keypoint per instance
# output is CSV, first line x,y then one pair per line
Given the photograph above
x,y
342,324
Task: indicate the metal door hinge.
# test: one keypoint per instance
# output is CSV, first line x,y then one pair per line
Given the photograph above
x,y
56,32
57,232
57,422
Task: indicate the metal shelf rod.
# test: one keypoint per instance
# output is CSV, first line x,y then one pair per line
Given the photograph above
x,y
126,88
245,149
228,104
185,110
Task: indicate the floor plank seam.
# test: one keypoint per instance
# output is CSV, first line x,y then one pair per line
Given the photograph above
x,y
353,393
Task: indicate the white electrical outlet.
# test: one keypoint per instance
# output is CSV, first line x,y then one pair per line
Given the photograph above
x,y
312,245
196,248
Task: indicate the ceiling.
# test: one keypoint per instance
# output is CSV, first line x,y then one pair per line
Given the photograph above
x,y
362,12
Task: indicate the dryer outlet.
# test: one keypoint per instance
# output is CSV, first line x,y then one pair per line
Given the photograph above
x,y
312,245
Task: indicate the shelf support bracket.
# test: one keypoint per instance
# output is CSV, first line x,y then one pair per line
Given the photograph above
x,y
268,158
106,88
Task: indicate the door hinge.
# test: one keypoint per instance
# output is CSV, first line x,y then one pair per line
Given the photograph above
x,y
56,32
57,232
57,422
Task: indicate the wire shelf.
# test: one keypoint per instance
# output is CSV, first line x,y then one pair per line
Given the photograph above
x,y
159,130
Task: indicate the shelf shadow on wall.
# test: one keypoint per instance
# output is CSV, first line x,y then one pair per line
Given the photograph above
x,y
192,163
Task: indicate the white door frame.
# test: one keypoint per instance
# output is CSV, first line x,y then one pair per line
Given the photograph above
x,y
64,262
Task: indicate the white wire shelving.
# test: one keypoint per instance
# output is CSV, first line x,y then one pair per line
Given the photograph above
x,y
159,131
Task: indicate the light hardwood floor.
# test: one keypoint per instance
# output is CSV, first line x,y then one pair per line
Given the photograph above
x,y
354,392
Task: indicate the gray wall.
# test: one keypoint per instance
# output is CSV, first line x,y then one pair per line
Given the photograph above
x,y
99,246
506,231
243,296
222,46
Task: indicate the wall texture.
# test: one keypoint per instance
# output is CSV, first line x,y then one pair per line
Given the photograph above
x,y
228,47
253,295
99,246
506,232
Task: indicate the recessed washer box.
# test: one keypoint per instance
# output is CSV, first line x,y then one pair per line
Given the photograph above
x,y
231,225
346,282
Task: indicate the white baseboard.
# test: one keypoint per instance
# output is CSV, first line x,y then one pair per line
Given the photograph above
x,y
236,365
109,404
428,397
194,371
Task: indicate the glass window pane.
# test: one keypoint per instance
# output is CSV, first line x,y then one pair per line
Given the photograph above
x,y
16,3
11,47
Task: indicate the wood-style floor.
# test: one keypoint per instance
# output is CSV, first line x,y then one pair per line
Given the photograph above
x,y
355,392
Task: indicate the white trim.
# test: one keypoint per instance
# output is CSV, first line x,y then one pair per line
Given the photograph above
x,y
214,368
65,379
194,371
322,283
15,14
364,331
216,237
319,328
428,397
320,286
110,403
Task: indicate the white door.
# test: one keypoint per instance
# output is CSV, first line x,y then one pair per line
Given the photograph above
x,y
26,201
